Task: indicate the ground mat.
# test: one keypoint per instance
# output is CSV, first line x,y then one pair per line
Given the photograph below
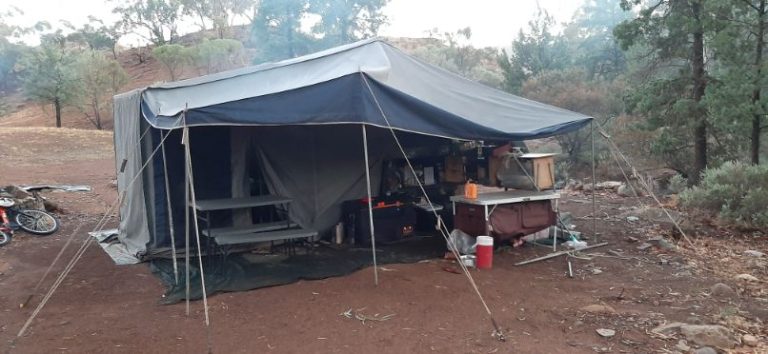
x,y
247,271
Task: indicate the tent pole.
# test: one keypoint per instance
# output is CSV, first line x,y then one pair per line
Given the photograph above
x,y
186,223
594,183
170,211
370,207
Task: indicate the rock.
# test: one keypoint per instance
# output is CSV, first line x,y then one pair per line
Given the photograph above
x,y
645,245
632,218
625,191
749,340
747,277
722,290
663,243
708,335
113,183
753,253
682,346
705,350
30,203
596,308
596,271
757,263
668,328
606,332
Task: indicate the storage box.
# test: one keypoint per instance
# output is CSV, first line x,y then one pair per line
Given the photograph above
x,y
540,167
543,167
454,170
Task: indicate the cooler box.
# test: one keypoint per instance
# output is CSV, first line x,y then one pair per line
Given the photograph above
x,y
391,223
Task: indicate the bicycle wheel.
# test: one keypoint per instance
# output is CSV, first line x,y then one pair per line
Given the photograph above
x,y
5,238
37,222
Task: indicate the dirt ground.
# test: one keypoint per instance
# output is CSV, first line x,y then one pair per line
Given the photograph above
x,y
102,307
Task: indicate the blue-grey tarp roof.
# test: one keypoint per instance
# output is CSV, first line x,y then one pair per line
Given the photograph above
x,y
352,84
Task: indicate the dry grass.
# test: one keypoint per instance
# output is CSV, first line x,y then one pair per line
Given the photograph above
x,y
43,146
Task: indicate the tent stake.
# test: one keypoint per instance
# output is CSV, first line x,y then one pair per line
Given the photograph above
x,y
370,207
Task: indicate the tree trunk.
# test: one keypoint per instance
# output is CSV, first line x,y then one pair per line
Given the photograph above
x,y
699,84
757,117
96,113
57,106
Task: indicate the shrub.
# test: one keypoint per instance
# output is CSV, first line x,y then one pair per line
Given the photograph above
x,y
737,192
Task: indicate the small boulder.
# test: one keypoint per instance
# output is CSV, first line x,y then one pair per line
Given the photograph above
x,y
721,290
708,335
597,308
625,191
663,243
705,350
747,277
682,346
606,332
749,340
753,253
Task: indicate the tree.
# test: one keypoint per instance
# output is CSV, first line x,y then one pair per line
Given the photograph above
x,y
452,51
276,30
671,34
345,21
735,100
216,55
99,77
218,12
174,57
159,18
572,89
10,52
533,52
96,35
591,41
49,76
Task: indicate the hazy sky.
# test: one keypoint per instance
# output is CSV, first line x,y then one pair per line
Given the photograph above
x,y
493,22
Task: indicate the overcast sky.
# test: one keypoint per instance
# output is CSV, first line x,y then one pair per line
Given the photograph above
x,y
493,22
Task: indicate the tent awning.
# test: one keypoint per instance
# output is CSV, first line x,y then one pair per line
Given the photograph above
x,y
352,84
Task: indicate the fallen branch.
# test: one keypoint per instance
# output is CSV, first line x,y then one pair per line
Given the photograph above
x,y
560,253
363,317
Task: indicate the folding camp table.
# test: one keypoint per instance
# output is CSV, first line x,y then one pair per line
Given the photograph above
x,y
489,201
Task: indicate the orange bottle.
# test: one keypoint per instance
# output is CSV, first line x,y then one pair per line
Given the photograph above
x,y
470,190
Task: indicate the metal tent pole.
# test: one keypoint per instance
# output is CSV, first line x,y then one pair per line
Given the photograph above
x,y
370,207
594,184
170,210
186,223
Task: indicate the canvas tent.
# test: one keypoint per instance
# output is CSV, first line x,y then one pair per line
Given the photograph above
x,y
301,120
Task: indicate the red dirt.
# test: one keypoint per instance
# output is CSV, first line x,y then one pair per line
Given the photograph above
x,y
102,307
